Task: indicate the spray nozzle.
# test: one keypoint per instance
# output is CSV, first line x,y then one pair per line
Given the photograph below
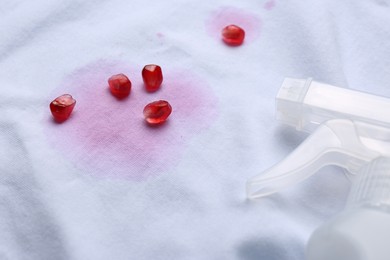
x,y
350,129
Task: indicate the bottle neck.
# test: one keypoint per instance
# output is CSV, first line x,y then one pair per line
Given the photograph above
x,y
371,188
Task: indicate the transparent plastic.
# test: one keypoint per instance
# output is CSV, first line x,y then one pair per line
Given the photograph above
x,y
305,104
350,129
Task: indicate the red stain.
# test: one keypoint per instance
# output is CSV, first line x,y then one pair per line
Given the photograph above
x,y
109,137
224,16
270,5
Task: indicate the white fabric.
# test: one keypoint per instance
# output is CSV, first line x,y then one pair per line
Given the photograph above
x,y
102,185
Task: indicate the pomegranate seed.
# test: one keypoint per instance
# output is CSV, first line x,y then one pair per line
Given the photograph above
x,y
233,35
157,112
152,76
62,107
120,85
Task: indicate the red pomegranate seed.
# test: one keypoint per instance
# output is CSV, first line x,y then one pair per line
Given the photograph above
x,y
233,35
62,107
120,85
152,76
157,112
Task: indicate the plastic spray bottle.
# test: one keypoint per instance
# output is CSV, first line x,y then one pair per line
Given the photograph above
x,y
350,129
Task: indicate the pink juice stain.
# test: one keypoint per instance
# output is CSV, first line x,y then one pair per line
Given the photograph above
x,y
109,137
224,16
269,5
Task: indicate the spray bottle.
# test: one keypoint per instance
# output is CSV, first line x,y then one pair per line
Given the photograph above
x,y
350,129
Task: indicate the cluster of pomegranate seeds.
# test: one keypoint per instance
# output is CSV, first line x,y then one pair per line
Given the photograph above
x,y
152,77
62,107
233,35
120,85
157,112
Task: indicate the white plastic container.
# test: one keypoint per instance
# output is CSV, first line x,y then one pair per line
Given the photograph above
x,y
362,231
